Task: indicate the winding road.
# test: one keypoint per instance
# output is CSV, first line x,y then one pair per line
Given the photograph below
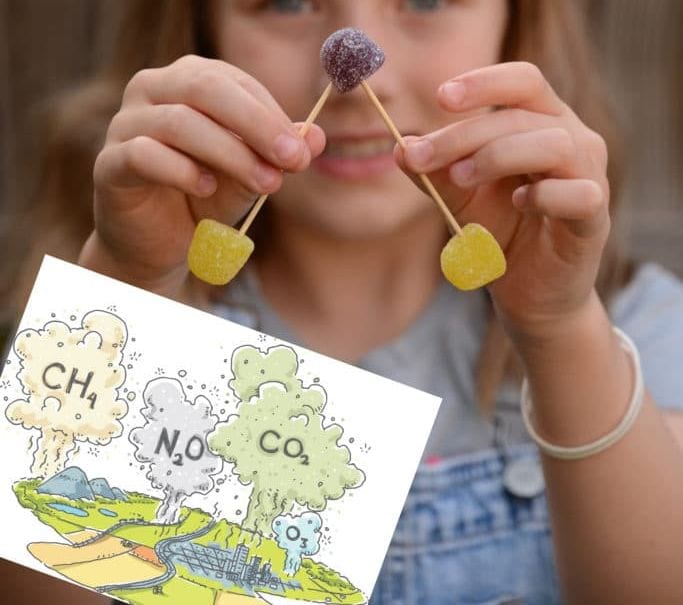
x,y
162,550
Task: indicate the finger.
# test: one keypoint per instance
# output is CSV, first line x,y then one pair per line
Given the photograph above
x,y
218,90
194,134
193,63
513,84
222,206
442,147
550,151
581,202
144,161
315,139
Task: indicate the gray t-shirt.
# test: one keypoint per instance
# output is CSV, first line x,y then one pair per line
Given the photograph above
x,y
438,353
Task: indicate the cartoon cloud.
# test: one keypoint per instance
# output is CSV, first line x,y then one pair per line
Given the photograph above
x,y
71,379
173,443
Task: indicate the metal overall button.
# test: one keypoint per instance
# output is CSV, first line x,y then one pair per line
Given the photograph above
x,y
523,477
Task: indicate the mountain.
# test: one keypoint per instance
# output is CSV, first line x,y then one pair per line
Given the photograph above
x,y
100,487
71,483
119,494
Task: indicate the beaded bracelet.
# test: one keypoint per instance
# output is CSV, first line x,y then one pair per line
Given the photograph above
x,y
602,443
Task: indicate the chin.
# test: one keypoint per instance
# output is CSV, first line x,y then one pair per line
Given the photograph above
x,y
355,210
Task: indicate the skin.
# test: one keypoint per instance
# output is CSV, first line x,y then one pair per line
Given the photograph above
x,y
361,255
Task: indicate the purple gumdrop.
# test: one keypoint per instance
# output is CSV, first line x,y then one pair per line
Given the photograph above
x,y
349,56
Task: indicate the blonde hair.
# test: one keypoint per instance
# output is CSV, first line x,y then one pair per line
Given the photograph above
x,y
152,33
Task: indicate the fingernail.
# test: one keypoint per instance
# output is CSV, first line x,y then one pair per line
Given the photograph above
x,y
207,184
419,154
520,196
461,172
454,92
306,158
287,148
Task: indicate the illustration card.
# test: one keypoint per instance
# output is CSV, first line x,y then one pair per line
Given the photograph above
x,y
160,454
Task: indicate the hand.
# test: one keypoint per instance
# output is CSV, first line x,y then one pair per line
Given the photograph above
x,y
534,175
198,138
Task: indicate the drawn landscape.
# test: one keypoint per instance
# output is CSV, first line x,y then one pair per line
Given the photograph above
x,y
114,546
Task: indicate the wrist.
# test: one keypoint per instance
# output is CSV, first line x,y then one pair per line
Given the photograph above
x,y
176,283
606,440
545,334
579,376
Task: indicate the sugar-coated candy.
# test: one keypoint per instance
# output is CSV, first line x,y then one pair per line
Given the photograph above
x,y
218,252
349,56
473,258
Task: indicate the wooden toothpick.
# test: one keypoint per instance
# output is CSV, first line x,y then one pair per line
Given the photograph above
x,y
304,129
450,219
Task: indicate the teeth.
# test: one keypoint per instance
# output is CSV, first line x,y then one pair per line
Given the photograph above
x,y
360,149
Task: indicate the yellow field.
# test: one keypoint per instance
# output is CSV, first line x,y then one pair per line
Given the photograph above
x,y
76,537
230,598
106,561
120,569
53,554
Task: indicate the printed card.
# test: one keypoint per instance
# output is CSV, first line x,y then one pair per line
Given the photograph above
x,y
160,454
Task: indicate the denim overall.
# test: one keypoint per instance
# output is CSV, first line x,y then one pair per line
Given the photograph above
x,y
463,538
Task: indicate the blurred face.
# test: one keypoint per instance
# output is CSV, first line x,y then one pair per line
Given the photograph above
x,y
355,190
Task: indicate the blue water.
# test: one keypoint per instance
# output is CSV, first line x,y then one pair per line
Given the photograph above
x,y
67,508
108,513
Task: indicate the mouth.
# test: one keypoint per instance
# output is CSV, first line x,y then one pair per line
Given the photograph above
x,y
359,149
357,158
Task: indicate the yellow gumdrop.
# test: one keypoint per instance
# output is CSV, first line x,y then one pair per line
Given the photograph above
x,y
218,252
472,258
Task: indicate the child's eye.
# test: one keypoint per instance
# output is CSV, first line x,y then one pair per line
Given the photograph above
x,y
424,5
289,6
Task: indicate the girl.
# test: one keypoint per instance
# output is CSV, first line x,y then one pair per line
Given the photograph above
x,y
493,97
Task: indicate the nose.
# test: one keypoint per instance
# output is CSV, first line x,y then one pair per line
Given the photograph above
x,y
366,15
